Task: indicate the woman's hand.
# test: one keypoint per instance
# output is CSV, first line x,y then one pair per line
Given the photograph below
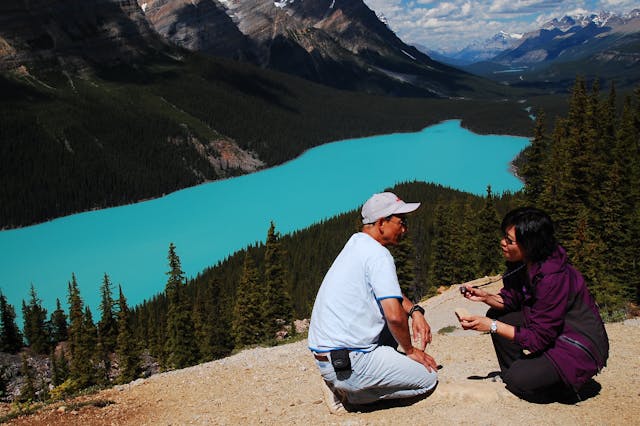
x,y
474,294
478,295
483,324
475,322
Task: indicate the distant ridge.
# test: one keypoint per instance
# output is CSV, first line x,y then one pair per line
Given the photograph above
x,y
602,45
339,43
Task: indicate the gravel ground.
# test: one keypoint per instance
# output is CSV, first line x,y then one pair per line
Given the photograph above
x,y
280,385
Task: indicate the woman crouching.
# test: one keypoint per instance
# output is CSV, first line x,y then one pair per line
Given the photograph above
x,y
545,326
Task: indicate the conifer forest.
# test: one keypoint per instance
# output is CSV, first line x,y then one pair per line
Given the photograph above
x,y
583,169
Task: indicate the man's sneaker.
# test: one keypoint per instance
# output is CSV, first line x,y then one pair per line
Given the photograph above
x,y
332,399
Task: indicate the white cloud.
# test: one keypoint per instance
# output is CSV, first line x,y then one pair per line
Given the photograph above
x,y
623,4
453,24
524,6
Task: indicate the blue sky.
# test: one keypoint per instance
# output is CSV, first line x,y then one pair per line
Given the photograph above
x,y
453,24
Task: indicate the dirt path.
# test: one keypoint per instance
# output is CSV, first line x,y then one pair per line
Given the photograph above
x,y
280,385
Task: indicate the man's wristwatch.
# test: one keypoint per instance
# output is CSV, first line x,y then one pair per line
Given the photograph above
x,y
415,308
494,327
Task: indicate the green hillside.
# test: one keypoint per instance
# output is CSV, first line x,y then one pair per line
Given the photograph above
x,y
75,141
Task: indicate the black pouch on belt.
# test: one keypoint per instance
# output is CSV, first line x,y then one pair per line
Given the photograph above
x,y
341,363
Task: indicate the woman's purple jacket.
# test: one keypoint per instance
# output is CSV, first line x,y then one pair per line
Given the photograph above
x,y
561,319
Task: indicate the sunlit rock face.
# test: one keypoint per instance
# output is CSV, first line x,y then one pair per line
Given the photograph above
x,y
337,42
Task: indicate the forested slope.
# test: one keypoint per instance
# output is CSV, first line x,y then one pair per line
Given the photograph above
x,y
71,142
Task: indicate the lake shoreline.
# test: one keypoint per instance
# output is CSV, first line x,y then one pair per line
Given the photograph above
x,y
206,182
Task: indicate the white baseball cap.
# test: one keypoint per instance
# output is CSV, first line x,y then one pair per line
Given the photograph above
x,y
385,204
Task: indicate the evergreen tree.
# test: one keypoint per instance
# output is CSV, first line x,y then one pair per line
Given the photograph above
x,y
532,171
28,390
126,350
212,322
10,336
59,327
246,326
617,228
76,315
554,173
466,243
35,324
84,363
180,346
626,183
575,161
404,257
59,367
591,189
82,339
489,256
442,249
107,329
276,305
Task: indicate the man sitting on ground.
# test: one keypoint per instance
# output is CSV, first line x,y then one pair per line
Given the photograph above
x,y
359,298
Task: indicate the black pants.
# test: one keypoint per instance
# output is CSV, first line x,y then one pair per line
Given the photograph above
x,y
531,377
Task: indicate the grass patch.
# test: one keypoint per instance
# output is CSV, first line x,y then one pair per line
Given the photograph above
x,y
448,329
99,403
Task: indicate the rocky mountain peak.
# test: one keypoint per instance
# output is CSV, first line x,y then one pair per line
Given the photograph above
x,y
73,31
341,43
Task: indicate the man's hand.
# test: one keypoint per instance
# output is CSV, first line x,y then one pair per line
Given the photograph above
x,y
421,330
423,358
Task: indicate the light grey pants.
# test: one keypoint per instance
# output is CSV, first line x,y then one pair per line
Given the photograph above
x,y
382,373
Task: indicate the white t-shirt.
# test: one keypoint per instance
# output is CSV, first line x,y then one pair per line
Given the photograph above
x,y
347,313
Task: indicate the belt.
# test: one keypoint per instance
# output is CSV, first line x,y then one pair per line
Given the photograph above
x,y
323,358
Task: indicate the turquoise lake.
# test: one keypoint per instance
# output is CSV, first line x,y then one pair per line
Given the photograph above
x,y
211,221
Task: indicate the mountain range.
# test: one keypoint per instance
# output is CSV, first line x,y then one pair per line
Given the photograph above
x,y
99,108
477,51
602,45
339,43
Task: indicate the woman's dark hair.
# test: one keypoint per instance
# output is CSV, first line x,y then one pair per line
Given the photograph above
x,y
534,232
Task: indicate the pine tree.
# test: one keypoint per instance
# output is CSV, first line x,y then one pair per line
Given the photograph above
x,y
554,175
626,157
35,324
246,327
592,191
466,243
575,160
82,339
180,346
10,336
404,257
442,250
126,350
107,329
76,315
28,390
532,171
489,256
212,322
59,327
276,305
59,367
83,363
